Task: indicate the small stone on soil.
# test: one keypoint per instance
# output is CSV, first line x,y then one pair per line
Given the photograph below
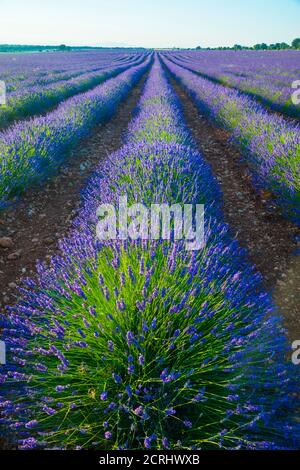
x,y
6,242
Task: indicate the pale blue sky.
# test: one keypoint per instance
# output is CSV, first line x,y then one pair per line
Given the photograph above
x,y
149,23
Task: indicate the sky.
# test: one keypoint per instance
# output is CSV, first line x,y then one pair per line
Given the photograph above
x,y
149,23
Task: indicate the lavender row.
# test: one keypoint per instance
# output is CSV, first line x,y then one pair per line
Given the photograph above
x,y
270,145
19,69
40,98
39,76
32,150
267,76
143,344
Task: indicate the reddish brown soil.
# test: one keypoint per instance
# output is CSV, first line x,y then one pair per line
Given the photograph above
x,y
269,238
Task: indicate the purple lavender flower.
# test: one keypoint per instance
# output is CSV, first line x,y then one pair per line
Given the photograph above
x,y
144,326
31,424
48,410
121,305
29,443
165,443
170,412
117,378
187,423
103,396
167,377
147,442
130,338
141,360
61,388
138,411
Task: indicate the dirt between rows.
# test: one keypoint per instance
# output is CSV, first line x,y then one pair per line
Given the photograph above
x,y
272,242
44,215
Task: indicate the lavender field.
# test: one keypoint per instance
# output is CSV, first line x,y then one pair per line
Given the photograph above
x,y
270,143
265,75
134,341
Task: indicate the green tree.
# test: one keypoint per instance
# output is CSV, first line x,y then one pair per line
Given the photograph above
x,y
260,47
296,43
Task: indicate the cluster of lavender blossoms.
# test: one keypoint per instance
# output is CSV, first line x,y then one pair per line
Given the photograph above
x,y
142,344
270,144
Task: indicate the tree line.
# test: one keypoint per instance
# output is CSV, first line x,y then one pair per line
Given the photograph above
x,y
13,48
258,47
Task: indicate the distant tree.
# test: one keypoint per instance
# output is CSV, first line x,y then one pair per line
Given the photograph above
x,y
237,47
278,46
296,43
198,48
260,47
284,45
62,47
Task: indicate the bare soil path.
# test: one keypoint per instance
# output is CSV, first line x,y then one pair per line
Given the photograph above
x,y
271,241
32,229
